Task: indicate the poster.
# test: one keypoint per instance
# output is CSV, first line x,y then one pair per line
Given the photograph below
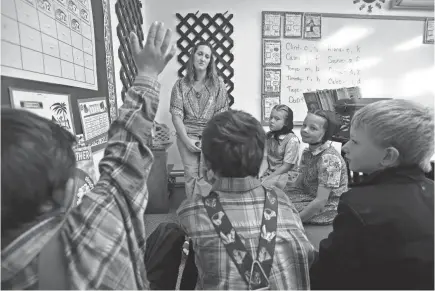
x,y
268,103
271,24
55,107
293,25
85,176
428,31
271,52
272,81
94,116
312,26
49,41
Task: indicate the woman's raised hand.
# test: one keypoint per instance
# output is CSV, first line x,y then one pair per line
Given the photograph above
x,y
155,55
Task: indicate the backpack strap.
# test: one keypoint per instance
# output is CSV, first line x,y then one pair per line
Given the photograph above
x,y
254,272
184,254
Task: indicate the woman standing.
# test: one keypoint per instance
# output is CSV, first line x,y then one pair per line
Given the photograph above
x,y
195,99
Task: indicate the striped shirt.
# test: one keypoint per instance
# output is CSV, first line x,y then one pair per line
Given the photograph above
x,y
104,237
243,202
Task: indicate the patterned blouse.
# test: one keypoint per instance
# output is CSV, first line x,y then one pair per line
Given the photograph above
x,y
286,150
196,108
322,166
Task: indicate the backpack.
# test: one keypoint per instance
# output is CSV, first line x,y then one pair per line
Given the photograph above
x,y
169,259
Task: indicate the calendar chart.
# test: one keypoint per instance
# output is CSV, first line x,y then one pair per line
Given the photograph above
x,y
94,115
50,41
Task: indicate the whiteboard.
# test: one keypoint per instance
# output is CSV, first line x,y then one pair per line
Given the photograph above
x,y
386,58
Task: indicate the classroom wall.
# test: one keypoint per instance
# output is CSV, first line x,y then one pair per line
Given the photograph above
x,y
247,40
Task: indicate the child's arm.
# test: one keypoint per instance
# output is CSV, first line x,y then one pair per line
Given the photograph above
x,y
339,253
284,168
264,164
329,174
316,205
291,157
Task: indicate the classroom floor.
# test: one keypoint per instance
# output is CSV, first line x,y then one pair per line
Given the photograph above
x,y
314,233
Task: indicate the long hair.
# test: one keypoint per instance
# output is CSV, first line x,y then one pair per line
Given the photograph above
x,y
288,123
211,76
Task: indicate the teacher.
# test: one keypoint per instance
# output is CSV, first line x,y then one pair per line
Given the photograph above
x,y
195,99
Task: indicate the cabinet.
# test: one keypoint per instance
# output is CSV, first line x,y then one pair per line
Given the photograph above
x,y
158,199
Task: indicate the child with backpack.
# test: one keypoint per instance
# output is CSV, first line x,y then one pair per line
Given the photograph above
x,y
243,235
282,148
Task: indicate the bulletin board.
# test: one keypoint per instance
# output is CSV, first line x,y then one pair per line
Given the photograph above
x,y
82,25
386,56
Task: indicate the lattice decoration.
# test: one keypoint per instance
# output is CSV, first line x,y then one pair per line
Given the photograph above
x,y
129,19
215,30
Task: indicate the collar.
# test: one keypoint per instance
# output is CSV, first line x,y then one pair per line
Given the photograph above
x,y
399,174
16,256
320,149
229,184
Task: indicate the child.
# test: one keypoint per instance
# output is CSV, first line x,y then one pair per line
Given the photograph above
x,y
282,148
383,235
322,176
233,148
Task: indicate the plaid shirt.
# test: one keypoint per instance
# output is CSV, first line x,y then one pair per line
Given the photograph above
x,y
243,201
104,237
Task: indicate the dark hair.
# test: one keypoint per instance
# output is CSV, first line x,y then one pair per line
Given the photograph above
x,y
211,76
332,124
37,158
233,144
288,123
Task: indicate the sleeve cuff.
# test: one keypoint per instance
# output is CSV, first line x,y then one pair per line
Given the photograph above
x,y
146,81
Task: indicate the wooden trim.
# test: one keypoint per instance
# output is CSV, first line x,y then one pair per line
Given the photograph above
x,y
363,16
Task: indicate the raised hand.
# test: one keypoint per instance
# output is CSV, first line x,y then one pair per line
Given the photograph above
x,y
153,58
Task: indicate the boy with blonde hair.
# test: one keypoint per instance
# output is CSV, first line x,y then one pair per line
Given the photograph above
x,y
383,235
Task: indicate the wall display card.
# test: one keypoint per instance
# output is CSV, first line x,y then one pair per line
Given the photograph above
x,y
94,116
271,81
428,31
271,24
55,107
85,176
312,26
268,103
271,52
293,25
50,41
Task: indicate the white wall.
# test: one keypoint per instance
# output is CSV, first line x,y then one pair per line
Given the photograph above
x,y
247,42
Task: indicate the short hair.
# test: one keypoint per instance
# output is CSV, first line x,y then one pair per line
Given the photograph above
x,y
332,124
403,124
233,144
211,76
37,158
288,122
